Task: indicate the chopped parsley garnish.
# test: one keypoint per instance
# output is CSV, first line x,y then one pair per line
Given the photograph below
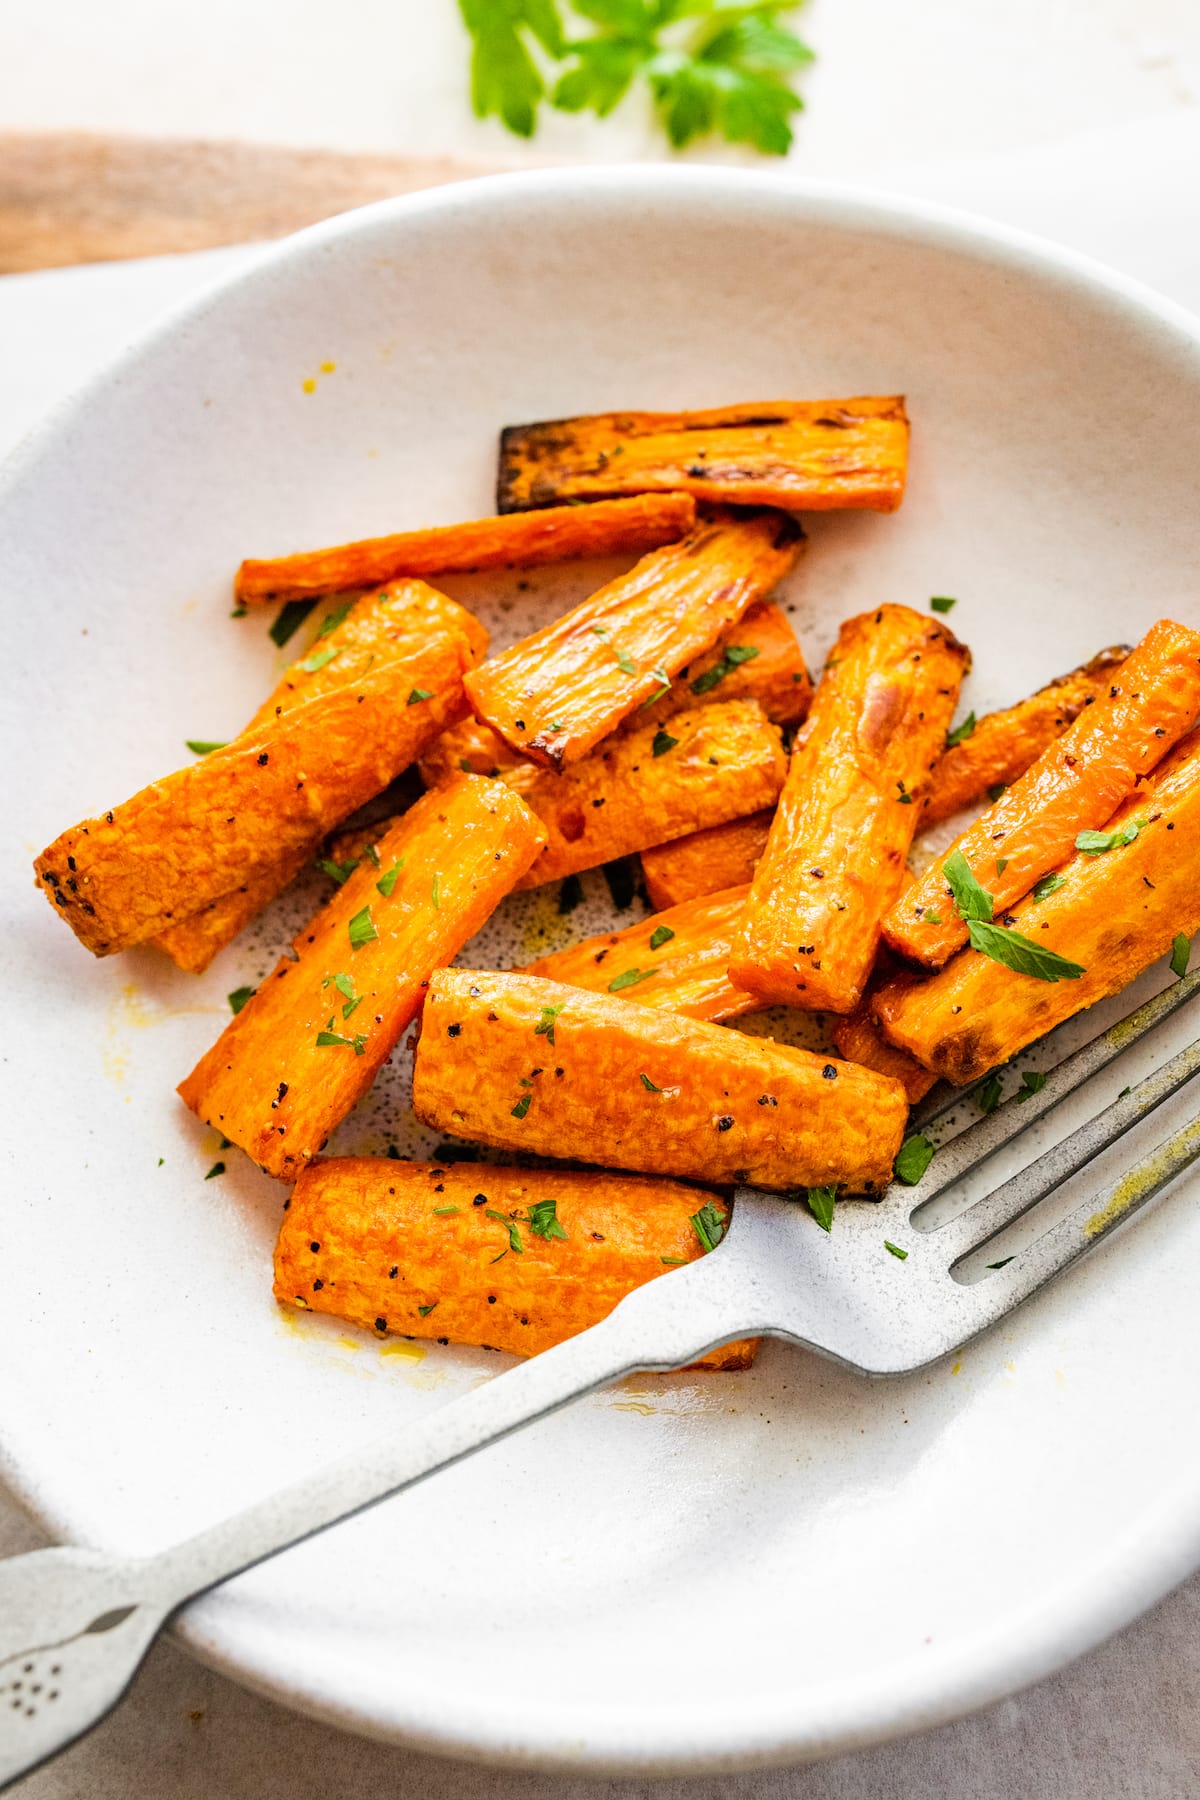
x,y
289,621
887,1243
662,934
916,1154
931,917
942,603
345,987
372,855
426,1310
204,746
962,732
1098,843
328,1040
1001,864
510,1225
660,675
708,1226
971,901
988,1097
389,878
417,695
218,1168
1032,1082
435,893
1181,950
1049,884
545,1026
629,978
1021,954
1002,1264
673,1262
239,998
905,797
820,1203
337,617
337,871
441,1212
626,663
466,765
318,660
651,1087
522,1106
362,929
734,654
544,1221
601,631
995,789
663,741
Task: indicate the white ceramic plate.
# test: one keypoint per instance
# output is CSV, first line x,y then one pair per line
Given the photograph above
x,y
682,1572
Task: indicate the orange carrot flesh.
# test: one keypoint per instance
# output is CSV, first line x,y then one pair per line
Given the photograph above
x,y
1113,914
767,665
1006,743
677,961
556,694
835,855
560,534
419,1249
706,862
529,1064
302,1053
193,942
1075,785
811,455
858,1038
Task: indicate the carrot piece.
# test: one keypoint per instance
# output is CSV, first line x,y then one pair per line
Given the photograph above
x,y
554,695
1113,914
835,855
858,1038
813,455
705,862
529,1064
264,799
1076,783
677,961
561,534
193,942
767,666
1005,743
290,1066
420,1249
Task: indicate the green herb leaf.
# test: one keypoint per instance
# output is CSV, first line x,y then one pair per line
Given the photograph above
x,y
435,893
337,871
988,1097
318,660
342,983
931,917
289,620
362,929
1099,843
329,1040
442,1212
600,631
970,900
995,789
426,1310
650,1086
204,746
887,1244
1049,884
1181,950
419,694
466,765
545,1026
239,998
673,1262
916,1154
662,934
942,603
733,656
626,664
629,978
337,617
1001,864
372,855
1002,1264
962,732
505,80
820,1202
660,675
510,1225
1032,1082
1021,954
218,1168
663,741
522,1106
708,1226
387,881
544,1221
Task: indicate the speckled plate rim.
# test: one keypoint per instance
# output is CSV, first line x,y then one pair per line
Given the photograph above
x,y
1151,1556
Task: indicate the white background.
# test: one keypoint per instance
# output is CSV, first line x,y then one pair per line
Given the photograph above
x,y
1078,118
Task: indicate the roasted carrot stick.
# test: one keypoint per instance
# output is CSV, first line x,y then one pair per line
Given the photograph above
x,y
813,455
554,695
1004,744
529,1064
677,961
858,1038
705,862
1076,783
756,659
561,534
1111,914
193,942
516,1259
836,851
302,1053
266,797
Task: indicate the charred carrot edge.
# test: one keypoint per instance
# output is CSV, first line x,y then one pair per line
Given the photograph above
x,y
677,961
290,1066
705,862
556,694
529,1064
419,1249
756,659
561,534
1075,784
835,854
814,455
1113,914
1005,743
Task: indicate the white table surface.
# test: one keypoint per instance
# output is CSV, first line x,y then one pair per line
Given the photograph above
x,y
1076,118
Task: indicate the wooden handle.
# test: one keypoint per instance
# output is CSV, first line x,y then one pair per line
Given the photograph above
x,y
80,197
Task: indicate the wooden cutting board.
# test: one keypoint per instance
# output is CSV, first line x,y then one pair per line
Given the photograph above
x,y
80,197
